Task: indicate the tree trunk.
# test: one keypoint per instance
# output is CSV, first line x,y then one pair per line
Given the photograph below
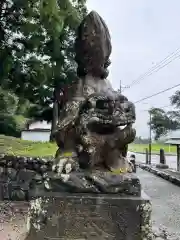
x,y
54,121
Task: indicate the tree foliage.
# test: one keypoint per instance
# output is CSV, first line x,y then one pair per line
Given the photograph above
x,y
175,99
12,113
36,52
164,121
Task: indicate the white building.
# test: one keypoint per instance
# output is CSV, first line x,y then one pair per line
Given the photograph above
x,y
37,131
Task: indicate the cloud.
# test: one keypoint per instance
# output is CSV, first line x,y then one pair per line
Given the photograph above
x,y
143,33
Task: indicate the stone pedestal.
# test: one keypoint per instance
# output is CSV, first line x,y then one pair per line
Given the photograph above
x,y
162,166
91,216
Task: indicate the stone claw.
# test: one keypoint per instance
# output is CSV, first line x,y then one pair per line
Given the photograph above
x,y
64,165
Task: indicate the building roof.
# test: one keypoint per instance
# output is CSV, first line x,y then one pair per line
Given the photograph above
x,y
174,138
38,125
173,141
36,130
173,134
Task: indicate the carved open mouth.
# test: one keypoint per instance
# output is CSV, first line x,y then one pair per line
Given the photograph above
x,y
105,129
123,126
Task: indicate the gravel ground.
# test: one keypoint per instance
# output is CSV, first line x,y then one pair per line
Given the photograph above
x,y
12,221
165,203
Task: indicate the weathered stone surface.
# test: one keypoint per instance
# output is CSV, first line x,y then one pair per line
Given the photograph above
x,y
13,223
27,184
162,166
96,122
16,176
90,182
92,133
90,216
14,183
93,46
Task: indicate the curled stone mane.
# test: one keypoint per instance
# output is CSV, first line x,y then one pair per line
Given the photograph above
x,y
93,47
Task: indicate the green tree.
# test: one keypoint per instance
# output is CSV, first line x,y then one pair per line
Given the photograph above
x,y
12,114
22,68
36,45
175,99
36,50
162,122
60,52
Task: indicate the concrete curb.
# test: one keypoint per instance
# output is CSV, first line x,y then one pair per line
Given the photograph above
x,y
156,154
161,174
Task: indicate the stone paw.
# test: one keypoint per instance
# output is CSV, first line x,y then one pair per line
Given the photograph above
x,y
64,165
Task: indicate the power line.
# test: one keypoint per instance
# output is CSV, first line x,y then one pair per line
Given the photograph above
x,y
157,67
156,70
155,94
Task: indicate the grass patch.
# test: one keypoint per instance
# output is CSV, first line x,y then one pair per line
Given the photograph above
x,y
18,147
155,148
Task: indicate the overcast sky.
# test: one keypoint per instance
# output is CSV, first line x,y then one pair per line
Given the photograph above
x,y
143,33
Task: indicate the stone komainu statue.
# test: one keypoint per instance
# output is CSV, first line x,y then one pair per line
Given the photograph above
x,y
96,124
93,133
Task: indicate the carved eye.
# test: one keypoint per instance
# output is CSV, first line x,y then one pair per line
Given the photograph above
x,y
106,105
101,104
85,107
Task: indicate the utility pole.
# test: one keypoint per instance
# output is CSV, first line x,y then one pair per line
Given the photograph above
x,y
120,87
150,137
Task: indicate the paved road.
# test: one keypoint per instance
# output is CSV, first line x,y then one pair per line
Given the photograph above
x,y
170,160
165,202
